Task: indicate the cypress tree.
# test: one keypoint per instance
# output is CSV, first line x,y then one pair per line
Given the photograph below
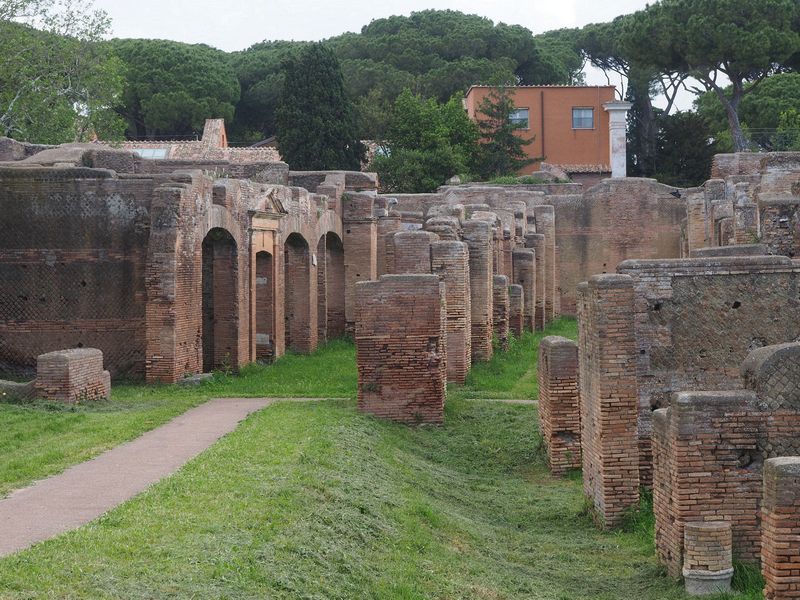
x,y
316,121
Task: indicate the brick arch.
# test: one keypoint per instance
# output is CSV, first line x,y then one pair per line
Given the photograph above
x,y
330,287
220,300
300,295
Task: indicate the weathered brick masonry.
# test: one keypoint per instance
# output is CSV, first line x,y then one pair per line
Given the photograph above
x,y
450,261
400,348
559,403
696,320
72,376
478,237
524,274
516,307
500,310
608,396
780,518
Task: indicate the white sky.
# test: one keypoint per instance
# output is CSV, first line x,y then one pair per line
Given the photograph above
x,y
237,24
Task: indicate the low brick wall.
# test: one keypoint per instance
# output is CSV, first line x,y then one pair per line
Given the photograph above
x,y
559,406
400,338
780,519
72,376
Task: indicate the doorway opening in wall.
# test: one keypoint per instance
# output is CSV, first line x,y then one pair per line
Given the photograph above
x,y
265,303
297,296
220,303
330,287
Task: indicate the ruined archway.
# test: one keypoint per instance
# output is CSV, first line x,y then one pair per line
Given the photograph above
x,y
265,307
220,301
300,296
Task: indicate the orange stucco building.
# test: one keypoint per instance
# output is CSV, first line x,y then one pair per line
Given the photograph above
x,y
570,125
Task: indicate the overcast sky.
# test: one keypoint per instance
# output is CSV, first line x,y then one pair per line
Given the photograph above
x,y
237,24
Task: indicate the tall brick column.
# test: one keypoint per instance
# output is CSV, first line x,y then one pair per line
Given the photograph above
x,y
478,237
450,261
500,309
546,224
400,348
559,405
780,528
360,247
524,262
516,304
537,242
609,397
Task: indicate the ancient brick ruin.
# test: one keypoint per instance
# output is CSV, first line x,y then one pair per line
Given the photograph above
x,y
559,405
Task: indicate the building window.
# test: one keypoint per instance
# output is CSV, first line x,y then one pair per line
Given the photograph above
x,y
583,118
152,153
519,118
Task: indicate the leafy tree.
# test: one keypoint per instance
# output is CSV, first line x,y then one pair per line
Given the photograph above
x,y
561,56
501,151
172,88
759,112
426,144
316,119
685,149
744,41
788,134
56,84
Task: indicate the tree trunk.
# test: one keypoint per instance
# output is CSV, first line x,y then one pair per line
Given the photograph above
x,y
732,110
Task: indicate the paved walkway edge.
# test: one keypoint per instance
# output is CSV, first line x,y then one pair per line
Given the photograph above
x,y
89,489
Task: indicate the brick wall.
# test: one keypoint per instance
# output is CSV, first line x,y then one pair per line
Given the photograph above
x,y
412,251
400,348
72,260
704,446
696,320
780,516
500,310
386,227
72,376
559,405
450,261
608,397
478,237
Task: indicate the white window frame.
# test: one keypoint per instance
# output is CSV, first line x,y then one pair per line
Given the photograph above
x,y
587,108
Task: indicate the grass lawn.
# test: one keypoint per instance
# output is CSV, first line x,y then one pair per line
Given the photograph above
x,y
317,501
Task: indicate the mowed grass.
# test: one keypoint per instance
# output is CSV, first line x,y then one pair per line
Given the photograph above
x,y
40,439
317,501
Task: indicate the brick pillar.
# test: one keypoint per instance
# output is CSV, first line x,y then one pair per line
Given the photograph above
x,y
500,310
400,348
478,237
385,227
559,406
546,224
360,247
780,524
707,559
72,376
705,445
322,291
609,398
525,275
745,215
537,242
412,251
450,261
516,303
